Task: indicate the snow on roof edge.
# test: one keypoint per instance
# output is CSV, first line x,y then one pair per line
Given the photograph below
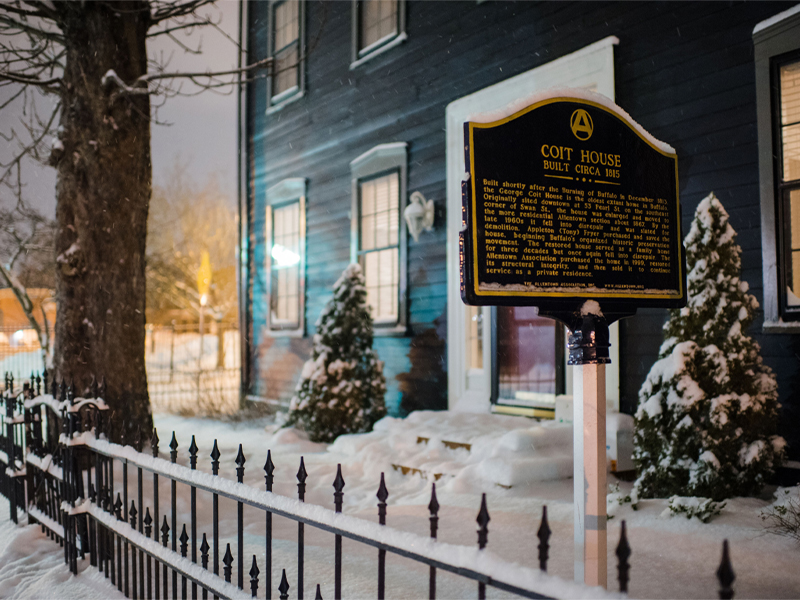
x,y
781,16
566,92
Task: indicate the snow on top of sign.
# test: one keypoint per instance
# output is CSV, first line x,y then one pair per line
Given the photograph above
x,y
591,307
781,16
590,289
565,92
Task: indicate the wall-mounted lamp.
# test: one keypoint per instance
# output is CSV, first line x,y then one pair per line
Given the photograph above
x,y
419,215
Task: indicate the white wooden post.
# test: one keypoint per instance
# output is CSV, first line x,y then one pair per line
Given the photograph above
x,y
589,355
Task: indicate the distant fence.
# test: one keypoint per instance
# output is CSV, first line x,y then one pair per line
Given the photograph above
x,y
59,466
190,373
20,352
186,373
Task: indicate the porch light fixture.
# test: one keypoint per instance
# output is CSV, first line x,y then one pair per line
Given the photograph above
x,y
419,215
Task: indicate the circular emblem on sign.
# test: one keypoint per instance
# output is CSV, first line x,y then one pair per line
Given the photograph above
x,y
581,124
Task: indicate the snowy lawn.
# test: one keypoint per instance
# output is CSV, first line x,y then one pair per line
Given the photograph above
x,y
672,557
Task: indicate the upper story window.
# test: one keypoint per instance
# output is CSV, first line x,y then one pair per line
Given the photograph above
x,y
377,26
286,34
285,237
379,239
788,125
777,61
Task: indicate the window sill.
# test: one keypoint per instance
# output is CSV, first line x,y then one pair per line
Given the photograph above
x,y
285,98
391,331
378,51
278,333
781,326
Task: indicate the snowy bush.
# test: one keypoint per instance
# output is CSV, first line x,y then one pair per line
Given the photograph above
x,y
702,508
782,517
707,414
341,388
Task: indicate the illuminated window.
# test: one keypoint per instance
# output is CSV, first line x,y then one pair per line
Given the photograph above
x,y
789,183
379,240
286,50
286,256
777,69
378,249
377,26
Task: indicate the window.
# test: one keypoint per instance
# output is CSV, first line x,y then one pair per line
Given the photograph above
x,y
378,250
788,126
377,26
285,48
286,256
777,54
378,236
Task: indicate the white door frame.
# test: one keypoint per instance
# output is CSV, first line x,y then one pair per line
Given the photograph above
x,y
591,67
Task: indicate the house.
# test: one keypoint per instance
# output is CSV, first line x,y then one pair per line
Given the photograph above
x,y
364,109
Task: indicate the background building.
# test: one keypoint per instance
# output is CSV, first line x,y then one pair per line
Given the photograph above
x,y
365,107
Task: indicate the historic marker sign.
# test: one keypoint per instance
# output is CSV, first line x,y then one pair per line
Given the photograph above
x,y
569,199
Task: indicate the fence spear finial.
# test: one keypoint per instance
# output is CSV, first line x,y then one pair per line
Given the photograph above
x,y
173,445
227,560
240,460
132,514
433,508
148,522
483,523
382,494
254,577
319,594
204,548
164,532
184,541
269,469
193,454
623,554
154,443
725,574
544,536
215,459
338,486
301,479
283,588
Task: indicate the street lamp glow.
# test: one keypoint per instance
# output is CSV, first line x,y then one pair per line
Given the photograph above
x,y
203,299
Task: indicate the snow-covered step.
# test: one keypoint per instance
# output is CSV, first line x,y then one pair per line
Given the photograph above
x,y
489,450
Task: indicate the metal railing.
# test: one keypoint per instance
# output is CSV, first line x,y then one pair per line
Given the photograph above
x,y
68,468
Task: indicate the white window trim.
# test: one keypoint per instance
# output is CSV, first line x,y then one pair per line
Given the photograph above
x,y
279,101
359,57
288,190
469,390
384,158
772,38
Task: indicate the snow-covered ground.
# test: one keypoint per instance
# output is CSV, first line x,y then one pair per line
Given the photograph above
x,y
672,557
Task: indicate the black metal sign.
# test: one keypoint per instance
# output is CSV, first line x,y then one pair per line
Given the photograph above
x,y
567,200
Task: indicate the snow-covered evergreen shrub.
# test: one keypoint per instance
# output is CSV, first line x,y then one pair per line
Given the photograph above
x,y
702,508
707,414
341,388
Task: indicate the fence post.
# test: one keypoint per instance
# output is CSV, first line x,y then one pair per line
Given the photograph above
x,y
12,488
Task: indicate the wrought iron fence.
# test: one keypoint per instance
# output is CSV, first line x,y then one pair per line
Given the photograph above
x,y
193,372
55,444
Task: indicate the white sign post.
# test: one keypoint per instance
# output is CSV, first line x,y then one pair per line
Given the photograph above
x,y
589,355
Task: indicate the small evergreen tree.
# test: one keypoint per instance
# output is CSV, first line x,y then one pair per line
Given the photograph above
x,y
341,388
707,412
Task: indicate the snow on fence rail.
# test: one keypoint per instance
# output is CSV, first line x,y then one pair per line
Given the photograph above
x,y
68,474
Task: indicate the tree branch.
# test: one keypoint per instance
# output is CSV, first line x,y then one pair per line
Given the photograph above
x,y
29,79
172,10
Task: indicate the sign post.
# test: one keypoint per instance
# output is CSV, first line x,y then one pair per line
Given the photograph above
x,y
572,207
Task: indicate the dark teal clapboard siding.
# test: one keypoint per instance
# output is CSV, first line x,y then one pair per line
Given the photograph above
x,y
683,70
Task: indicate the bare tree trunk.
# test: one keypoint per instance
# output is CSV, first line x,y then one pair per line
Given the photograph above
x,y
103,192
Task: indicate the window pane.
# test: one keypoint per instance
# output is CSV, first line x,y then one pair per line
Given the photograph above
x,y
286,34
790,94
791,152
382,282
378,20
368,232
380,222
526,355
793,268
474,337
285,265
